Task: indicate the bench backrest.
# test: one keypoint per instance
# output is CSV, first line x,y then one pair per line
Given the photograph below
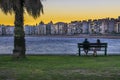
x,y
80,45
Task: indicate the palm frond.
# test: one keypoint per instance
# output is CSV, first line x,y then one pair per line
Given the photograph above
x,y
33,7
6,6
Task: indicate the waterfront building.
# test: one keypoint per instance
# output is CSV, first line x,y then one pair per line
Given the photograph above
x,y
37,30
118,27
54,29
33,28
65,29
0,30
118,18
97,26
61,28
7,30
27,30
103,26
85,27
71,29
48,28
11,30
78,27
41,29
91,27
3,30
111,25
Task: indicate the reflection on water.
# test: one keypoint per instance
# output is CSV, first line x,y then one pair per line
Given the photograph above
x,y
47,45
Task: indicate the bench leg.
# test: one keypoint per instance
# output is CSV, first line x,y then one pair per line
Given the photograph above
x,y
105,51
79,52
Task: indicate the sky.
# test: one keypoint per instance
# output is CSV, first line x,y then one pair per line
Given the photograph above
x,y
69,10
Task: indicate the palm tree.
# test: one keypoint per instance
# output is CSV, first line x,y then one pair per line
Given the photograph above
x,y
33,7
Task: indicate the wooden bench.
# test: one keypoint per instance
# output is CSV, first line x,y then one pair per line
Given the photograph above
x,y
102,46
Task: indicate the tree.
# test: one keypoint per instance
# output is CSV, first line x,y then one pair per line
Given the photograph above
x,y
33,7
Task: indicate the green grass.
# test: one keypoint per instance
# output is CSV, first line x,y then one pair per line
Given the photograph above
x,y
60,68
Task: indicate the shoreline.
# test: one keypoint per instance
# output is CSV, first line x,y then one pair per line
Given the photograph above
x,y
74,36
90,54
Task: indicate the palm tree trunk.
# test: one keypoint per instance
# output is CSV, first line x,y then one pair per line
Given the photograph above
x,y
19,36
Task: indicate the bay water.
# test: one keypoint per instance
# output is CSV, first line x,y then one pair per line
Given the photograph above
x,y
55,45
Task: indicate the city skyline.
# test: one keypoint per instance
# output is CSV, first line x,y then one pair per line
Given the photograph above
x,y
106,26
67,11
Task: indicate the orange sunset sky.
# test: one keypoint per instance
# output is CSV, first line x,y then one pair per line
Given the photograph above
x,y
70,10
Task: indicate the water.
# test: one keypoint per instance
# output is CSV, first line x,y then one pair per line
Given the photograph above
x,y
47,45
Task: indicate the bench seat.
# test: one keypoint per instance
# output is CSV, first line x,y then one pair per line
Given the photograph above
x,y
92,46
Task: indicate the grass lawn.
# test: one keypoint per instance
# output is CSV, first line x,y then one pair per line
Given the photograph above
x,y
60,68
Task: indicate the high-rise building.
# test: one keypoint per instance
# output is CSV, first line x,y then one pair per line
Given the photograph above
x,y
111,25
118,27
0,30
27,30
61,27
11,30
41,29
85,27
48,28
